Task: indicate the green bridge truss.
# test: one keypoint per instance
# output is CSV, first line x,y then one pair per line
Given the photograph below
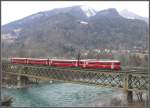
x,y
130,80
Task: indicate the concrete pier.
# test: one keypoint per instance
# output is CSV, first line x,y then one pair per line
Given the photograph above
x,y
22,81
130,96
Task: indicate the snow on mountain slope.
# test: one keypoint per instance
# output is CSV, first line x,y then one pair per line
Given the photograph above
x,y
88,11
130,15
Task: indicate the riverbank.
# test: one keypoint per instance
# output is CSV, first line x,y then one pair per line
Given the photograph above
x,y
120,99
7,101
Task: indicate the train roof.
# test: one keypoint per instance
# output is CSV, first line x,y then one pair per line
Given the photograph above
x,y
90,60
106,61
44,59
28,58
64,59
94,60
17,58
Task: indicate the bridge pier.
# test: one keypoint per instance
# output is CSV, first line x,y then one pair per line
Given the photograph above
x,y
22,81
129,96
140,96
18,81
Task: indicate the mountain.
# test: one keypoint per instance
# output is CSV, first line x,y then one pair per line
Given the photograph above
x,y
128,14
63,31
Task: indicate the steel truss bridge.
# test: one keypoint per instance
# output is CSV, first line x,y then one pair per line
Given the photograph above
x,y
128,80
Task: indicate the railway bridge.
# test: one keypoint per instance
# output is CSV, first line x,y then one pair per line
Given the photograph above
x,y
127,80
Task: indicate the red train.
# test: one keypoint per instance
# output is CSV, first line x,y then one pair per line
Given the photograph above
x,y
94,64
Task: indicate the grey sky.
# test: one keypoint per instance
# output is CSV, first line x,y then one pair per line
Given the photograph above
x,y
14,10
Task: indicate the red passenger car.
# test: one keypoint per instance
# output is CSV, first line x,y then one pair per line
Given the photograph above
x,y
35,61
94,64
63,63
114,65
19,60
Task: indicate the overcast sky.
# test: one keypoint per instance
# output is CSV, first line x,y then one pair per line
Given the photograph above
x,y
14,10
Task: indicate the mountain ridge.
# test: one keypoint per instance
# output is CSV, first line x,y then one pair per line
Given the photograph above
x,y
64,31
128,14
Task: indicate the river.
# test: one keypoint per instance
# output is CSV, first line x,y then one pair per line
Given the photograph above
x,y
60,95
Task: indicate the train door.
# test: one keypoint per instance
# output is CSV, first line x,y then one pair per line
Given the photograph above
x,y
84,63
26,61
112,65
76,63
50,62
47,62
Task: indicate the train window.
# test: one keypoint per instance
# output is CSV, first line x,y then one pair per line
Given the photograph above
x,y
81,62
92,63
19,59
38,60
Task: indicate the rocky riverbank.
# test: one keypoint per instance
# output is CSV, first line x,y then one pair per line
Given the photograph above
x,y
120,99
7,101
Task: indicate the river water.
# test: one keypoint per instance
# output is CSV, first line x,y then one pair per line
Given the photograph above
x,y
60,95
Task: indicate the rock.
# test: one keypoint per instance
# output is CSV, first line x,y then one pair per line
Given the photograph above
x,y
7,101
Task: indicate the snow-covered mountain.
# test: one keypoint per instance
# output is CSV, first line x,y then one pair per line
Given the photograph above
x,y
88,11
62,31
130,15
